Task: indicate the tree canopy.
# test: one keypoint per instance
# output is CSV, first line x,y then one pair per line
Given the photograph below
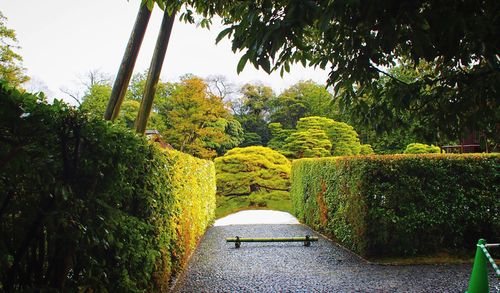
x,y
11,68
252,111
305,98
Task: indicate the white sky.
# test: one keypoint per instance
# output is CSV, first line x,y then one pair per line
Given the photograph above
x,y
61,40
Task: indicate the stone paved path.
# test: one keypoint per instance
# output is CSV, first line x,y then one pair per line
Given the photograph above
x,y
217,266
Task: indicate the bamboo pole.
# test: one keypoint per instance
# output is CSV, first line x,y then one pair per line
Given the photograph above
x,y
128,62
307,240
275,239
154,71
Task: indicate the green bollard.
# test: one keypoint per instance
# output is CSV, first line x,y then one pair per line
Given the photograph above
x,y
479,278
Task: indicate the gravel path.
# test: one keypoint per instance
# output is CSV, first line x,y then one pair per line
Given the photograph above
x,y
217,266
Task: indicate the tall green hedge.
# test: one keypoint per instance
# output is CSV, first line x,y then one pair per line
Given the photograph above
x,y
89,206
400,205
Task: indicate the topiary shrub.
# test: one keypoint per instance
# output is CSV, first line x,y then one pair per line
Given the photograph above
x,y
402,204
420,148
317,137
308,144
242,171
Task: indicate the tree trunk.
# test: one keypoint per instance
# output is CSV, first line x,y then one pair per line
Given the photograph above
x,y
128,63
154,72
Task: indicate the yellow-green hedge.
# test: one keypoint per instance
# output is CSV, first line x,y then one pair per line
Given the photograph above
x,y
193,183
401,204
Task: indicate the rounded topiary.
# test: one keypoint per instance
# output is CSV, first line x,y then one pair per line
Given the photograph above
x,y
421,148
308,144
242,171
344,139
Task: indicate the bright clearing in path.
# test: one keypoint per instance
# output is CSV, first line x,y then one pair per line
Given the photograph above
x,y
254,217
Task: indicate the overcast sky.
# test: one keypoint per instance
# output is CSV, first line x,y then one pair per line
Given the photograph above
x,y
61,40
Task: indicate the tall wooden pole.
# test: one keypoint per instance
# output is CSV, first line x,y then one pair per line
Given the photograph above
x,y
154,71
128,63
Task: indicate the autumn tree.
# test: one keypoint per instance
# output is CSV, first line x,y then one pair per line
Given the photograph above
x,y
197,122
11,68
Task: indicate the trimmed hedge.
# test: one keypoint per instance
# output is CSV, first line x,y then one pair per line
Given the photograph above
x,y
193,182
400,205
90,206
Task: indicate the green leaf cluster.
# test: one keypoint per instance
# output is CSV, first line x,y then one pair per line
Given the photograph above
x,y
421,148
400,205
90,206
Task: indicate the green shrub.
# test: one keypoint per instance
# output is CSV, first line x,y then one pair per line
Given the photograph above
x,y
242,171
400,205
252,177
90,206
420,148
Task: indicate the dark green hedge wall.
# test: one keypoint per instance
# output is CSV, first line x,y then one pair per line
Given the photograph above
x,y
89,206
400,205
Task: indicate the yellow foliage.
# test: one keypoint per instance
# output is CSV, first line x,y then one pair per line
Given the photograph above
x,y
193,188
